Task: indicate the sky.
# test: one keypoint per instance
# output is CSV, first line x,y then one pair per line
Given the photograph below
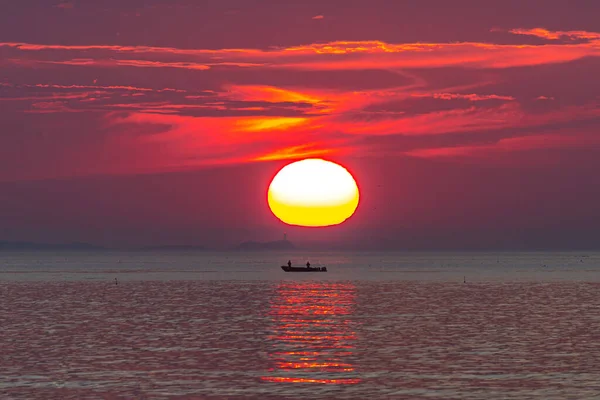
x,y
467,124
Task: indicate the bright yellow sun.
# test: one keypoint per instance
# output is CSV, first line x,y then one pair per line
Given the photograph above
x,y
313,192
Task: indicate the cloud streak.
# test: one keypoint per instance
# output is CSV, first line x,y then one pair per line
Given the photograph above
x,y
514,144
557,35
269,104
333,55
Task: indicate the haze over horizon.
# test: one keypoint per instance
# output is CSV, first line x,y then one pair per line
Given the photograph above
x,y
140,123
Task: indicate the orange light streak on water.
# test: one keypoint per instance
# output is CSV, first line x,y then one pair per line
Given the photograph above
x,y
312,338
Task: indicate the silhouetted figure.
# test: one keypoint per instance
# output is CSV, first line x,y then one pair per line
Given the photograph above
x,y
307,264
464,279
116,281
289,263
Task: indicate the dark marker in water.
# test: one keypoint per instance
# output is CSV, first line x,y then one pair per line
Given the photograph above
x,y
116,282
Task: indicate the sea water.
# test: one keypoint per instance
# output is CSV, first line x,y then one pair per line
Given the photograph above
x,y
194,325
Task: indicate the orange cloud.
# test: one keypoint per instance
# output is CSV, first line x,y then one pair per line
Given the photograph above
x,y
125,49
267,124
342,55
556,35
110,87
117,63
52,96
159,64
297,152
239,122
321,101
270,94
471,96
378,55
205,141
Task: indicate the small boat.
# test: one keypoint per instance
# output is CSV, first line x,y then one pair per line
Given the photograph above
x,y
303,269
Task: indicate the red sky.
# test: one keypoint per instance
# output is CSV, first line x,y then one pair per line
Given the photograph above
x,y
467,126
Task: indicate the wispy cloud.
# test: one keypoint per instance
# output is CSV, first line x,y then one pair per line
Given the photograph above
x,y
273,104
522,143
298,151
341,55
470,96
556,35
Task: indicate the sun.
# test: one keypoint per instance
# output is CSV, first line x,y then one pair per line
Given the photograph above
x,y
313,192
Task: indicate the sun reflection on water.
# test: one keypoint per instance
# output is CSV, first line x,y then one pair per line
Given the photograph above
x,y
312,338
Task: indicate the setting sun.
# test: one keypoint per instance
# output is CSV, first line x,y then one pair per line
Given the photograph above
x,y
313,192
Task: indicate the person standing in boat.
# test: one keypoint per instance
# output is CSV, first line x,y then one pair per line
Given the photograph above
x,y
307,264
290,263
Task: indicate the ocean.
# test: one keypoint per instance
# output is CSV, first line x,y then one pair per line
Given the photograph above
x,y
198,325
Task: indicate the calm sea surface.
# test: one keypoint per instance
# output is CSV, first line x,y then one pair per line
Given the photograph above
x,y
235,326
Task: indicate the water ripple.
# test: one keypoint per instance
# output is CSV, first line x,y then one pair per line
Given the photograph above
x,y
298,339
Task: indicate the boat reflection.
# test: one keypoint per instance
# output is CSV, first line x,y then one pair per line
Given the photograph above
x,y
312,338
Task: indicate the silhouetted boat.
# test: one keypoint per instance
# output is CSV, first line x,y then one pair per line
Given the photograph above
x,y
303,269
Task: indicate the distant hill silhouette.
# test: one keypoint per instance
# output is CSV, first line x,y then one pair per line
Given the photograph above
x,y
31,246
275,245
175,247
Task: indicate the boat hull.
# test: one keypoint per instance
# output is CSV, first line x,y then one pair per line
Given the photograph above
x,y
303,269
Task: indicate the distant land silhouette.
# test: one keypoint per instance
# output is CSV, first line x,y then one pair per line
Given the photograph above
x,y
175,247
80,246
353,245
31,246
257,246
